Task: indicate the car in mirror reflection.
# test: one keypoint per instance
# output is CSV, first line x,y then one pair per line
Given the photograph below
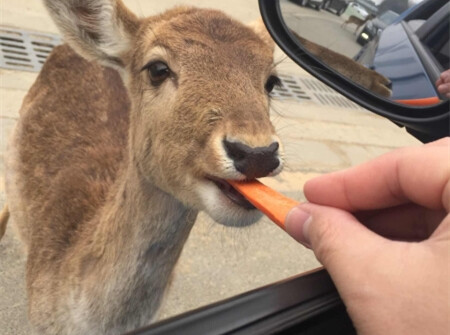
x,y
375,26
337,7
316,4
412,54
356,10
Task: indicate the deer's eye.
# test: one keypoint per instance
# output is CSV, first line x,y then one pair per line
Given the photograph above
x,y
271,83
158,71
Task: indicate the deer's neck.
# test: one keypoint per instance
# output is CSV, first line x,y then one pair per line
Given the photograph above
x,y
141,212
137,240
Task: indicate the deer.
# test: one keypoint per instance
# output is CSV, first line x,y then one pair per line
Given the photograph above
x,y
367,78
357,21
130,129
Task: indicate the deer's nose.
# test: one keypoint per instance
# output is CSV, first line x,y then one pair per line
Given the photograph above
x,y
253,162
389,84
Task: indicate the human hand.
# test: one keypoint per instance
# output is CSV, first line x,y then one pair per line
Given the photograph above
x,y
443,83
388,286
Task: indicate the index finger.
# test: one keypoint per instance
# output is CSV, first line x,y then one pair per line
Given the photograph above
x,y
419,175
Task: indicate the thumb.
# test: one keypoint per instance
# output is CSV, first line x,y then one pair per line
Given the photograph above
x,y
337,238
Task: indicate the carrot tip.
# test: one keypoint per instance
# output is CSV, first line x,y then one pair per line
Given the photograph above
x,y
272,203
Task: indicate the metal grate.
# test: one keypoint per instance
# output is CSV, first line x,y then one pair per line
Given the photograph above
x,y
25,50
310,89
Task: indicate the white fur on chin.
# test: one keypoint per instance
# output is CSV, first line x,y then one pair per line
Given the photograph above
x,y
223,210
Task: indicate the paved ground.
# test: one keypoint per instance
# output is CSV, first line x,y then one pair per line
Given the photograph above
x,y
321,27
217,262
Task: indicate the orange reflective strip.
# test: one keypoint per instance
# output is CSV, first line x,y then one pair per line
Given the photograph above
x,y
420,102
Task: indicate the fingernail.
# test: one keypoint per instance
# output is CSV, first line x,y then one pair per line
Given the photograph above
x,y
297,225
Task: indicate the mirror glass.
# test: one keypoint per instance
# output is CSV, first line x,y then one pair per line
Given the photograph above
x,y
371,43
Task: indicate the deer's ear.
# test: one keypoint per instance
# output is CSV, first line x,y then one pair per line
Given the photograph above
x,y
260,29
99,30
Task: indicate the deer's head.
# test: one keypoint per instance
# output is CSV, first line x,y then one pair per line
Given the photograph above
x,y
199,83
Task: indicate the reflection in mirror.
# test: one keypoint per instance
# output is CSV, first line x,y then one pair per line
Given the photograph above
x,y
370,43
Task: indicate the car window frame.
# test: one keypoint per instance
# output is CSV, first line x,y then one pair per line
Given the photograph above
x,y
432,29
305,304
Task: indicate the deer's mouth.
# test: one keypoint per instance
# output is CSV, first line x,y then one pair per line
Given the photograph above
x,y
231,193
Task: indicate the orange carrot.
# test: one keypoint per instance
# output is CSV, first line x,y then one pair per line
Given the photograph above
x,y
275,205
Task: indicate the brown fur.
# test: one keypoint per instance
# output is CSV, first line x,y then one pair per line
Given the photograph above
x,y
363,76
105,186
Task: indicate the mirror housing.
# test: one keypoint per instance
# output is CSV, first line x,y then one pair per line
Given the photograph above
x,y
425,123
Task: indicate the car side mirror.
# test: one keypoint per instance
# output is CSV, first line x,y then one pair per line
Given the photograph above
x,y
390,70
